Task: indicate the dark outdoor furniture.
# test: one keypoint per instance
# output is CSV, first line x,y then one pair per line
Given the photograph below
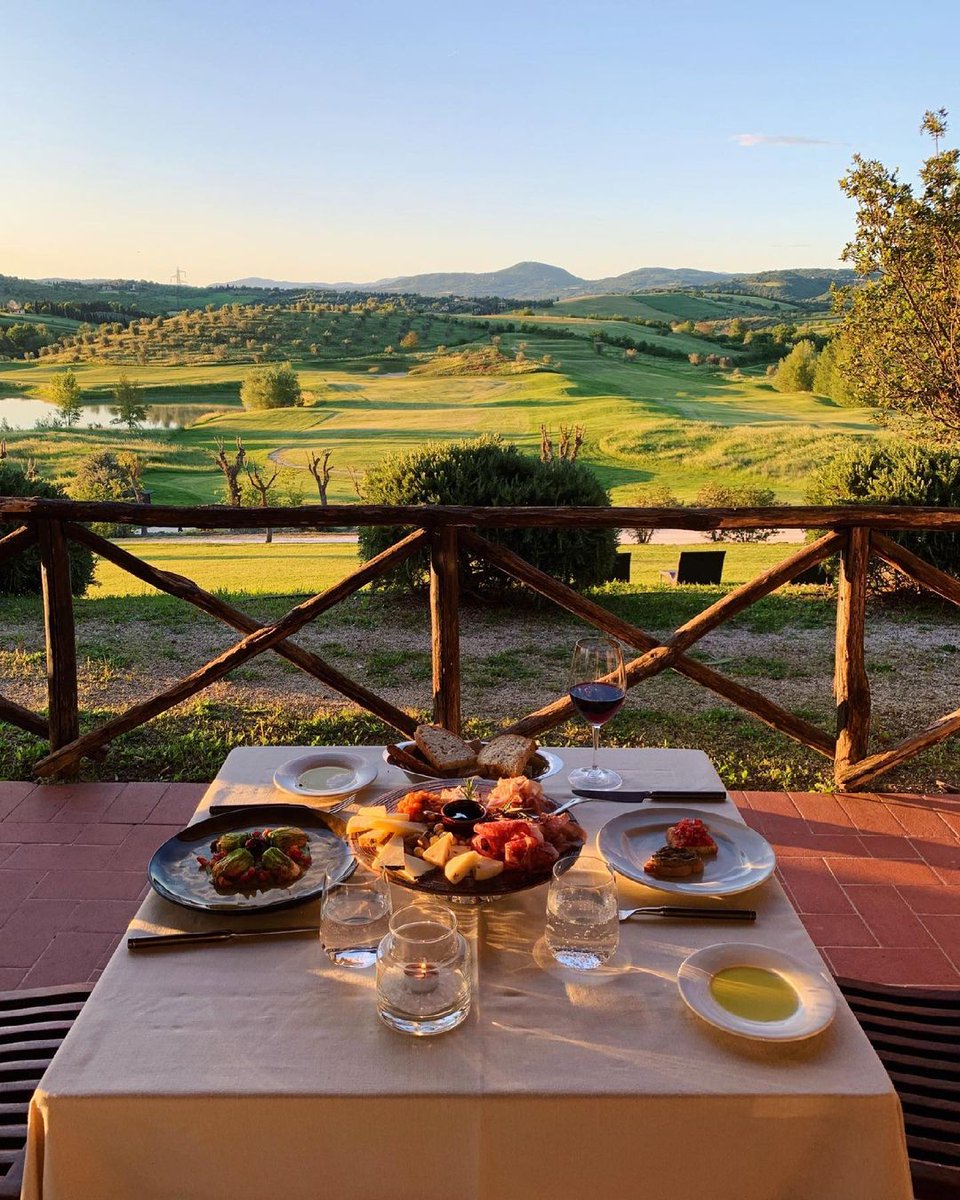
x,y
621,568
33,1023
816,575
916,1033
697,566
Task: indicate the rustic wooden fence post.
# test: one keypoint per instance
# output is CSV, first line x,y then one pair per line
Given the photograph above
x,y
851,685
64,715
445,626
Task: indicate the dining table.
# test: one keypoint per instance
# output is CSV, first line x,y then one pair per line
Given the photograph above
x,y
258,1068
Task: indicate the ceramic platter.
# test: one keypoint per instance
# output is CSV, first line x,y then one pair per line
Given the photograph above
x,y
816,1003
743,860
175,874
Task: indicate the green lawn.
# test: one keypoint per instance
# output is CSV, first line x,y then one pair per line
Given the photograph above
x,y
297,569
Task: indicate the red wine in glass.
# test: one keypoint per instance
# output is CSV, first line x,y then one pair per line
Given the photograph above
x,y
598,688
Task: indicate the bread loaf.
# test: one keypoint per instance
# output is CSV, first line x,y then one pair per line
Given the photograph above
x,y
444,750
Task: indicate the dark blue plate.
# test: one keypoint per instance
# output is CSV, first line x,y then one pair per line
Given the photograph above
x,y
176,875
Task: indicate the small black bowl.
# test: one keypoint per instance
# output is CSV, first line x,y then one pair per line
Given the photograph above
x,y
460,816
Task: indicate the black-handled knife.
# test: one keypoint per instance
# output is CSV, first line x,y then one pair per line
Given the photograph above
x,y
148,941
677,910
633,795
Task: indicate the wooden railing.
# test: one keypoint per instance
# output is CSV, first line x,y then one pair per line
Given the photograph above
x,y
855,533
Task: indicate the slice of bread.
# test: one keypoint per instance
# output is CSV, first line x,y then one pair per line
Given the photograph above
x,y
505,757
672,863
444,750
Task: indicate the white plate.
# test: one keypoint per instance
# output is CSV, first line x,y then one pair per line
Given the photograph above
x,y
816,1001
743,860
554,764
356,773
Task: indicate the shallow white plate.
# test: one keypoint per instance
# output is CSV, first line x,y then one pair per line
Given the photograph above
x,y
743,859
816,1007
355,772
554,764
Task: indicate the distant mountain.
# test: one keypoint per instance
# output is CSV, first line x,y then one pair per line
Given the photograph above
x,y
541,281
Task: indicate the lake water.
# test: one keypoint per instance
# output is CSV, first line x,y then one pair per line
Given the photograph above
x,y
19,412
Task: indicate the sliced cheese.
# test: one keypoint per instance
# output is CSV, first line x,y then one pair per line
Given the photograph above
x,y
391,824
390,856
459,867
486,868
441,850
362,821
414,867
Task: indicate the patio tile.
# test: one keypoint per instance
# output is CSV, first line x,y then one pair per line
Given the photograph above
x,y
30,929
821,809
888,915
931,899
11,978
58,857
69,958
870,814
814,890
922,822
103,834
135,803
177,805
135,851
838,929
848,870
13,794
91,885
945,930
38,831
939,854
885,845
103,916
42,803
89,800
923,966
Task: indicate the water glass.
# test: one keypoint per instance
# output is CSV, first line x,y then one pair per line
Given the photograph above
x,y
583,928
354,917
424,980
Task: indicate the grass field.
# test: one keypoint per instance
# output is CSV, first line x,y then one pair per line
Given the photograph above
x,y
305,568
652,421
668,306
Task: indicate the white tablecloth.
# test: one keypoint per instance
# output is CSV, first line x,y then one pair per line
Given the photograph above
x,y
259,1069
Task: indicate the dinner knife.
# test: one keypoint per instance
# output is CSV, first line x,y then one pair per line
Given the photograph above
x,y
633,795
150,940
677,910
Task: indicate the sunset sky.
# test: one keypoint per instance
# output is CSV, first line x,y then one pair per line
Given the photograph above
x,y
323,141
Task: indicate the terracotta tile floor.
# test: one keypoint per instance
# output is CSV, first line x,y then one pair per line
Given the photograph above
x,y
876,879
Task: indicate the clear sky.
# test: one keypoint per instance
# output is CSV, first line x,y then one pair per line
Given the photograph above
x,y
358,139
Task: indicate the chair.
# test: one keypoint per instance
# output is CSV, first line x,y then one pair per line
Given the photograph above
x,y
697,566
33,1023
621,568
916,1034
816,574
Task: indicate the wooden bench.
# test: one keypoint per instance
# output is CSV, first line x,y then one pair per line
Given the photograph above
x,y
33,1023
916,1034
697,566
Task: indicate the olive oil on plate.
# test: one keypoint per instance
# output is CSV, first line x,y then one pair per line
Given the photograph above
x,y
326,778
754,994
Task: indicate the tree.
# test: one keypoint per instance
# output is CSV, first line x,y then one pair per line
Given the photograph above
x,y
65,393
411,340
129,409
657,495
260,485
898,341
319,467
231,470
20,573
274,386
105,475
828,379
795,372
718,495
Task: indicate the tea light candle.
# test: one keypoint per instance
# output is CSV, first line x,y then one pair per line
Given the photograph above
x,y
421,978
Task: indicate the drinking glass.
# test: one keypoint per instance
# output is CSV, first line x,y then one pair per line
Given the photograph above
x,y
354,917
423,972
598,688
583,927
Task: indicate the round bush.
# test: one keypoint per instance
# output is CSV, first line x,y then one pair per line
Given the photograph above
x,y
488,472
898,473
20,574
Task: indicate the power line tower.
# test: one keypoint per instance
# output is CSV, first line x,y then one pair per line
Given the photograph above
x,y
178,279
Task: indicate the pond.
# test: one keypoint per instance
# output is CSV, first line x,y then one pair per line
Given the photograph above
x,y
20,412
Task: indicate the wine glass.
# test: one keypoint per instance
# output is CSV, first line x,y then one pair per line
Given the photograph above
x,y
598,688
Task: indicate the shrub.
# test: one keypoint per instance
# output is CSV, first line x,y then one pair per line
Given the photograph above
x,y
716,495
795,372
20,574
654,496
271,387
897,473
487,472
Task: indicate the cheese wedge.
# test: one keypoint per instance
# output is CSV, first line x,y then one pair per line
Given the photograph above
x,y
440,851
414,867
486,868
390,856
362,821
459,867
397,825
